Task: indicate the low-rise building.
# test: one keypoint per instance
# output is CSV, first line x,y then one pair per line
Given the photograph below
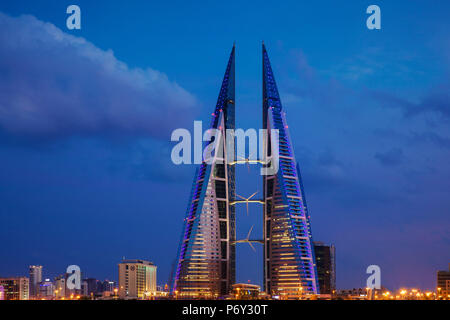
x,y
443,284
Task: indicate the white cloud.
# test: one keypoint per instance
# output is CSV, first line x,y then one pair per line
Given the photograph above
x,y
53,84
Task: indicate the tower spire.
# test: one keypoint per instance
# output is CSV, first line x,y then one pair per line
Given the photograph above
x,y
205,261
287,227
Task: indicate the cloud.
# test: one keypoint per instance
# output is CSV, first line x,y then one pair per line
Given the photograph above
x,y
373,61
391,157
54,85
432,137
334,91
151,160
323,169
436,102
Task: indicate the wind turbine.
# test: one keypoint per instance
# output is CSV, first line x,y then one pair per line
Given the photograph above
x,y
247,240
247,160
247,199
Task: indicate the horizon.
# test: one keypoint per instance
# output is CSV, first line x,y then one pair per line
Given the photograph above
x,y
86,117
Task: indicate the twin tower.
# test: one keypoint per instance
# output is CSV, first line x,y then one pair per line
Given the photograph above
x,y
206,260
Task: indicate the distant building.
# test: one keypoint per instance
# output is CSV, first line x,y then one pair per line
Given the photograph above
x,y
94,287
15,288
326,267
61,289
60,286
2,293
108,286
137,279
443,283
359,293
109,289
46,289
35,279
84,288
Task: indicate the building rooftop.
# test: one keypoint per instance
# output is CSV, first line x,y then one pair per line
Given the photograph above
x,y
139,261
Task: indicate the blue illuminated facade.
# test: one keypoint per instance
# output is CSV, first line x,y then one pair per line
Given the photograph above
x,y
206,254
206,260
289,262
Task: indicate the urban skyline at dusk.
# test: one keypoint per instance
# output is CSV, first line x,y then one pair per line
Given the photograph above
x,y
86,118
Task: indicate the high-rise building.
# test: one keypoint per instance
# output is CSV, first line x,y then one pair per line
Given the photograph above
x,y
443,283
206,255
35,279
326,267
137,279
289,262
15,288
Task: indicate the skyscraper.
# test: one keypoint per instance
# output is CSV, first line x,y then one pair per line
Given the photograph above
x,y
206,254
326,267
35,279
289,262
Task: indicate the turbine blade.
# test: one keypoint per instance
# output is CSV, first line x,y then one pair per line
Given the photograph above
x,y
252,246
249,232
252,195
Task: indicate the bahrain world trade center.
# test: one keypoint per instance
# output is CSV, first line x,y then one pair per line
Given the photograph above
x,y
206,259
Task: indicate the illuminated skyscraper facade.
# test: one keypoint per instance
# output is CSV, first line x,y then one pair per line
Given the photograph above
x,y
289,262
205,265
326,267
35,279
206,255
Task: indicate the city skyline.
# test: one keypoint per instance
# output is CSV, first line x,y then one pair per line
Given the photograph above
x,y
137,280
87,179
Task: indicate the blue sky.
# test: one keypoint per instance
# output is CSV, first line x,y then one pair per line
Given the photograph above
x,y
86,117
